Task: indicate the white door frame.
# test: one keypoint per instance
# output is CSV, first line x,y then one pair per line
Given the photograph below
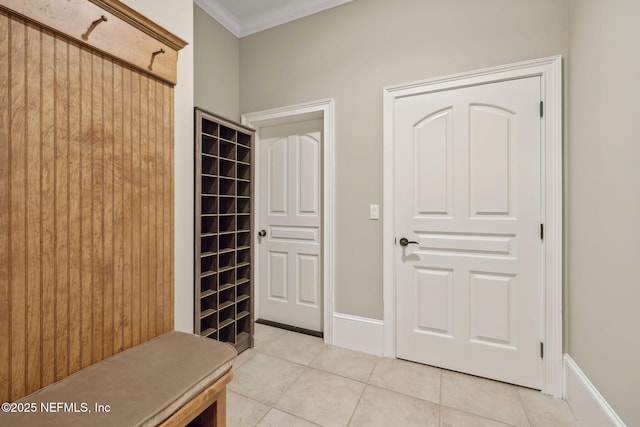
x,y
550,72
324,109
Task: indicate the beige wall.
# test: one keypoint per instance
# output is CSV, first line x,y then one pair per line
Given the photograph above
x,y
603,220
350,53
177,17
216,66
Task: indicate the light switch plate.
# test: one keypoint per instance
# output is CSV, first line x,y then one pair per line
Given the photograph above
x,y
374,211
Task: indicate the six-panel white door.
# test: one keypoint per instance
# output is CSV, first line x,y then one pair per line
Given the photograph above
x,y
469,292
290,265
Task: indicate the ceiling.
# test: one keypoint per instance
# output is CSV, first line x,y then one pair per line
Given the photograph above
x,y
245,17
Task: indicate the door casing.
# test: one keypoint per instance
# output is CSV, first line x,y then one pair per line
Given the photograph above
x,y
550,71
324,109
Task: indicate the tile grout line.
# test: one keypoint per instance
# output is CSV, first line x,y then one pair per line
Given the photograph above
x,y
307,367
375,365
289,413
304,369
493,420
263,417
355,408
524,408
270,406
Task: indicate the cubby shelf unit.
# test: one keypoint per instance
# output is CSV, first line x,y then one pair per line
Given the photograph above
x,y
223,230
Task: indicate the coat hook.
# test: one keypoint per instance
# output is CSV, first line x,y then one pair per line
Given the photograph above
x,y
153,57
93,25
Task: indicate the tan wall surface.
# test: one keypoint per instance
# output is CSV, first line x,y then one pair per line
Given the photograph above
x,y
216,66
350,53
604,201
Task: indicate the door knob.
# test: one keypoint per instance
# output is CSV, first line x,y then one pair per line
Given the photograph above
x,y
405,242
262,233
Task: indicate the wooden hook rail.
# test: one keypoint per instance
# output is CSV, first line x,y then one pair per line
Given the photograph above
x,y
153,57
93,26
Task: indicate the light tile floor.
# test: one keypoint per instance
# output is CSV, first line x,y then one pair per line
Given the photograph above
x,y
290,380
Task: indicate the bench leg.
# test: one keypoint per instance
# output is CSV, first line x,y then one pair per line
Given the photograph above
x,y
221,410
215,415
208,409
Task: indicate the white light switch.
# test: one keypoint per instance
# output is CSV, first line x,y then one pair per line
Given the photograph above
x,y
374,211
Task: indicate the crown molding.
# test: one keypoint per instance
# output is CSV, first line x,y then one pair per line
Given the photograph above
x,y
266,20
285,14
220,14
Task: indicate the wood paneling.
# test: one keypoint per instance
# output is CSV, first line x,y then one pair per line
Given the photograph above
x,y
34,223
5,216
18,208
110,27
86,197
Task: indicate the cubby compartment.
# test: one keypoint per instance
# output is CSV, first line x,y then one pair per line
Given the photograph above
x,y
227,332
227,222
209,165
243,240
208,265
227,260
227,205
243,291
244,172
244,222
243,274
209,128
226,278
223,209
208,306
208,286
243,330
245,139
208,244
243,188
227,150
243,257
209,326
209,204
243,154
208,311
209,225
226,298
242,309
226,315
227,133
228,168
226,242
209,145
243,205
227,187
209,185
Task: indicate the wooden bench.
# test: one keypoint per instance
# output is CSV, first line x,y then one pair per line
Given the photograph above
x,y
176,379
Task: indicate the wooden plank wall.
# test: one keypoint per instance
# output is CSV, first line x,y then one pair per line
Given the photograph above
x,y
86,207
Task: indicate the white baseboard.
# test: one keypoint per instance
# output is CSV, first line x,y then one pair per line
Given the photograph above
x,y
358,333
588,405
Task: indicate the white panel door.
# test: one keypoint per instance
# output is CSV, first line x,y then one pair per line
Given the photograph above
x,y
469,289
289,277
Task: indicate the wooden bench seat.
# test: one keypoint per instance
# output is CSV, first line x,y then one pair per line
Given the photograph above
x,y
169,380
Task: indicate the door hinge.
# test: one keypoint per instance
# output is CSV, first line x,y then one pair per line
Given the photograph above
x,y
541,350
541,231
541,108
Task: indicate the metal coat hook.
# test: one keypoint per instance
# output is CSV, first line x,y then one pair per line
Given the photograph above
x,y
93,25
153,57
